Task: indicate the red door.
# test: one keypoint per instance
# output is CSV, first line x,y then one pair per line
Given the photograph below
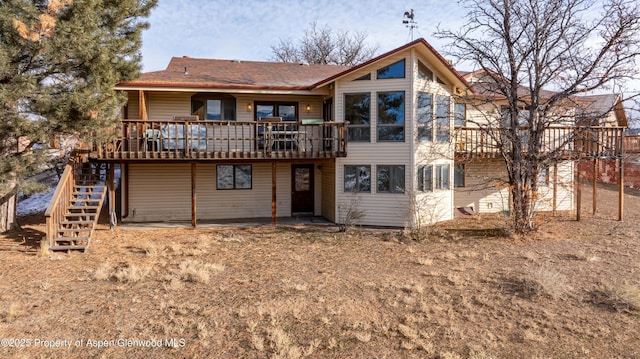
x,y
302,189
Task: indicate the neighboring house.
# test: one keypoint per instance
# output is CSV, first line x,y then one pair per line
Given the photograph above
x,y
206,140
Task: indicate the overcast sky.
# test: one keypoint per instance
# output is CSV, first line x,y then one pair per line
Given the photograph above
x,y
246,29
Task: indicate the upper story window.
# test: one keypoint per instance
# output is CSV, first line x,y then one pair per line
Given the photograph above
x,y
523,117
357,112
424,72
214,107
391,116
287,110
393,71
459,114
442,118
365,77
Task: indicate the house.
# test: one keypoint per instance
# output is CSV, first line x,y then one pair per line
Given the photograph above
x,y
206,140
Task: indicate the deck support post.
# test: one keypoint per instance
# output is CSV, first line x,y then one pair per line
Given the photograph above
x,y
621,190
193,194
112,196
578,192
274,209
555,189
595,185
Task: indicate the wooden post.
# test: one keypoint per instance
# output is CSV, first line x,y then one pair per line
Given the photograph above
x,y
621,191
555,188
578,193
112,196
193,194
595,185
142,106
274,209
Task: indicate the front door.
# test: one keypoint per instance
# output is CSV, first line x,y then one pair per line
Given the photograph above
x,y
302,189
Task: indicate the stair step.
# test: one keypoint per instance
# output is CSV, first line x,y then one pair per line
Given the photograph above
x,y
72,230
68,247
78,214
75,222
71,239
81,186
83,207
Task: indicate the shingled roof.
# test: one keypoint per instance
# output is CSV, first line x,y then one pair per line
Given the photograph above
x,y
187,72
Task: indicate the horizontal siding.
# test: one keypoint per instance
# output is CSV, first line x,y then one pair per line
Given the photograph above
x,y
159,192
162,192
485,188
133,105
164,105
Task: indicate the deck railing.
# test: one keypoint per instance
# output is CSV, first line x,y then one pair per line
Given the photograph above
x,y
567,141
192,139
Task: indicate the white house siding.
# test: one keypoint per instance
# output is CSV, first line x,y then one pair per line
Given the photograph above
x,y
383,209
486,189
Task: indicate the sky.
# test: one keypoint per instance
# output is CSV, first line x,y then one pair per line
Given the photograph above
x,y
246,29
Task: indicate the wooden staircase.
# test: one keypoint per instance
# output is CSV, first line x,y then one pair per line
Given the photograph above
x,y
75,207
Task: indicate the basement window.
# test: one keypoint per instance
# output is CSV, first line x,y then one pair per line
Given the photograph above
x,y
233,177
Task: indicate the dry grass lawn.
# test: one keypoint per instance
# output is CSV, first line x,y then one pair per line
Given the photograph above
x,y
571,290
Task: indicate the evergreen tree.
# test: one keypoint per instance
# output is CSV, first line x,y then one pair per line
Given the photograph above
x,y
59,62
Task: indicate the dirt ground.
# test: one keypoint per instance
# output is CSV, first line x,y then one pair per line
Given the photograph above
x,y
571,290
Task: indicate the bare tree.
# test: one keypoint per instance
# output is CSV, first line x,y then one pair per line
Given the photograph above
x,y
526,48
323,45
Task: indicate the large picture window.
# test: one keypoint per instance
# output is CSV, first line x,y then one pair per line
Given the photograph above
x,y
393,71
390,179
233,176
357,178
214,107
356,111
391,116
425,116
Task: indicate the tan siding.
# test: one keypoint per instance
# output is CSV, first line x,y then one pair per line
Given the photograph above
x,y
242,100
159,192
328,188
164,105
134,105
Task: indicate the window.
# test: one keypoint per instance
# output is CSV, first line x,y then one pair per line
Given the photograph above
x,y
459,175
523,117
442,118
393,71
390,179
425,116
233,177
441,175
433,177
391,116
287,110
357,178
543,177
459,114
356,111
424,72
214,108
364,77
425,178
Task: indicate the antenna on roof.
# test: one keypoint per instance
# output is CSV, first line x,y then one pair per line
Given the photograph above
x,y
410,23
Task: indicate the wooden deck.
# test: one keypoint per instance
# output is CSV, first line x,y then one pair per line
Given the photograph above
x,y
562,142
221,140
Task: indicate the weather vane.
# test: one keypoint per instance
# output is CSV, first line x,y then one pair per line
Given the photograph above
x,y
409,22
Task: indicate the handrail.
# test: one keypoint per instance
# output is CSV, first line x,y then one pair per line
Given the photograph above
x,y
59,203
197,139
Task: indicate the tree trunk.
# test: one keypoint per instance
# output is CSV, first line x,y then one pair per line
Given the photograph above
x,y
8,213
